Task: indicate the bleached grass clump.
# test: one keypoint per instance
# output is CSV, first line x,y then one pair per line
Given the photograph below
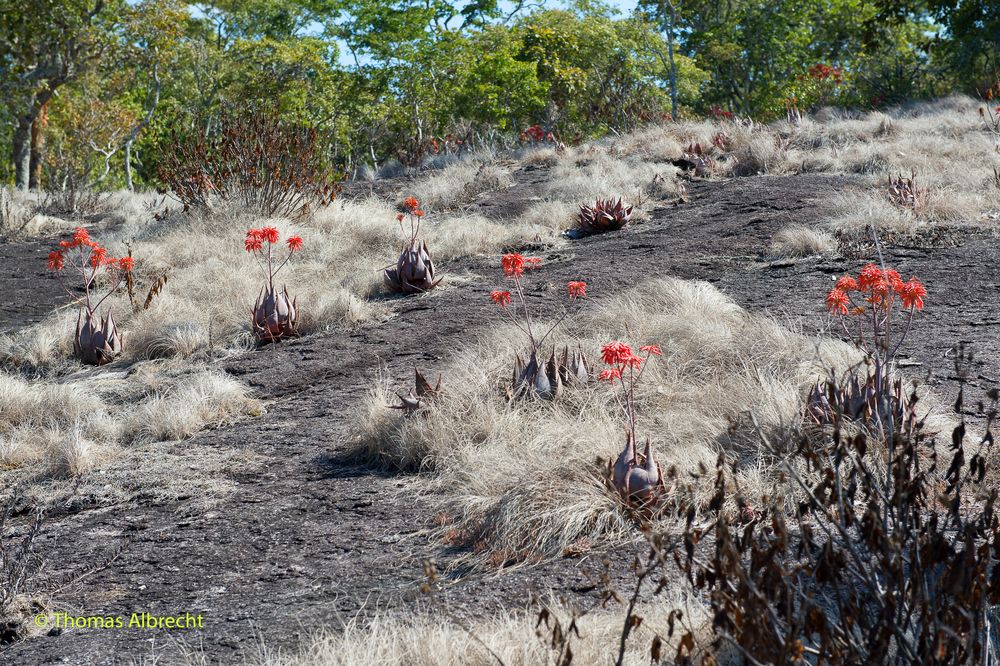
x,y
509,637
524,480
601,174
802,241
67,426
460,182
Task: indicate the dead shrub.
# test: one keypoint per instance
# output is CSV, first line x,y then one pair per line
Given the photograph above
x,y
253,159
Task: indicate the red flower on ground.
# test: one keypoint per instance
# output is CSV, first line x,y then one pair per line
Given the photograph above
x,y
126,264
501,298
577,289
270,234
411,204
651,349
912,293
419,213
56,260
847,283
294,243
837,301
513,265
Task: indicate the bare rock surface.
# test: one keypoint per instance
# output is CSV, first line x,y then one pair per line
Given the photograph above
x,y
313,538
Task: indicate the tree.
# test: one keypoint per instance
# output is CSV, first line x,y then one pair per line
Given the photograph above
x,y
45,44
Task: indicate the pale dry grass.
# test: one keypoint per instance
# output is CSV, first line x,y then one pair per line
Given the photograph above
x,y
802,241
523,481
511,638
944,141
460,182
68,426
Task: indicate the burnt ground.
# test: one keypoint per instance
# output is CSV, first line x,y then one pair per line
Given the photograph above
x,y
312,538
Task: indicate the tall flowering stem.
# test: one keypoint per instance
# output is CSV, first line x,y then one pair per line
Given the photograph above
x,y
85,258
514,267
626,367
267,259
274,316
876,310
412,212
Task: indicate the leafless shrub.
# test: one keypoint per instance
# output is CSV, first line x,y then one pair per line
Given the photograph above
x,y
74,199
254,159
885,559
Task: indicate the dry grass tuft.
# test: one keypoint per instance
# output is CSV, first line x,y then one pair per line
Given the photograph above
x,y
68,426
523,481
802,241
512,637
460,182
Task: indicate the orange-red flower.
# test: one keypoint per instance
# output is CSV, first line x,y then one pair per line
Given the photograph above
x,y
411,204
126,264
418,213
254,240
513,265
610,375
270,234
294,243
837,301
651,349
616,353
80,237
501,298
577,289
98,256
870,275
912,293
399,217
56,260
892,279
847,283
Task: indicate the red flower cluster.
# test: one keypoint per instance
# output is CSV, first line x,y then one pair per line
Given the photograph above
x,y
501,298
577,289
878,287
513,265
822,72
411,206
256,238
718,112
97,258
621,357
536,134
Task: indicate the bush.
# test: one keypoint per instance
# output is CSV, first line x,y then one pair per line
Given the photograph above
x,y
888,557
253,159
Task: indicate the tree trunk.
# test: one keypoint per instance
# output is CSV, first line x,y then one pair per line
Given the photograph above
x,y
22,152
38,146
128,165
673,66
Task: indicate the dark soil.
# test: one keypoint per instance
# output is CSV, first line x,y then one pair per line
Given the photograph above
x,y
313,538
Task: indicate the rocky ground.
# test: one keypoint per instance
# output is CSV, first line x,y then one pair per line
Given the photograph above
x,y
311,538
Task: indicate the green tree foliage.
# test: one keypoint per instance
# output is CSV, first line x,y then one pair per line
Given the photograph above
x,y
94,89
